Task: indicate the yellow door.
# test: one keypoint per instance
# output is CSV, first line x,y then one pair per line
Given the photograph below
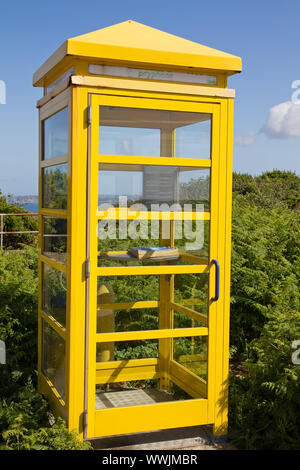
x,y
152,256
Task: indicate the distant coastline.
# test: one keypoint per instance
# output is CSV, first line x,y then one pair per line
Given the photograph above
x,y
30,203
31,199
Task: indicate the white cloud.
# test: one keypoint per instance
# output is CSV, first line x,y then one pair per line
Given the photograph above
x,y
246,139
283,121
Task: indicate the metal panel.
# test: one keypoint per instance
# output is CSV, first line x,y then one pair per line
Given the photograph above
x,y
149,417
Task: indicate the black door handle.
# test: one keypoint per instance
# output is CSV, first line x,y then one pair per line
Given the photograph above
x,y
217,280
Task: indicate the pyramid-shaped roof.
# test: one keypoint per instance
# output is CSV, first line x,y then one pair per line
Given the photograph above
x,y
134,42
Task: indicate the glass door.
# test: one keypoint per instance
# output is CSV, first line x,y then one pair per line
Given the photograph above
x,y
152,252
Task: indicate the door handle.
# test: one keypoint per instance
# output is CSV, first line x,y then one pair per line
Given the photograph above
x,y
217,280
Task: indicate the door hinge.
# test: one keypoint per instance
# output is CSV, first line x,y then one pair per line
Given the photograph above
x,y
87,268
89,115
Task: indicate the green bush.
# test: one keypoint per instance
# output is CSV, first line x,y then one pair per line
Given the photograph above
x,y
271,189
24,425
18,316
265,402
24,414
265,267
17,224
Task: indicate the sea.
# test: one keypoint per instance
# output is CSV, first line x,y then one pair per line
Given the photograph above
x,y
31,206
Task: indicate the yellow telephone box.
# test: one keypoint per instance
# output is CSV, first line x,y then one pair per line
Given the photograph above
x,y
135,173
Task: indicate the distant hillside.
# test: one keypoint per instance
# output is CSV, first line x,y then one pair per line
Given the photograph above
x,y
22,199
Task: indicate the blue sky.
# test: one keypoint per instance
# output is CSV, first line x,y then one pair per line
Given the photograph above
x,y
264,33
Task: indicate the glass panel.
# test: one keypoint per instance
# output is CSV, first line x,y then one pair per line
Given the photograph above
x,y
127,289
55,135
184,321
54,186
55,238
191,291
129,141
193,140
153,186
191,353
54,293
154,133
192,238
109,320
118,242
136,392
140,319
53,358
126,350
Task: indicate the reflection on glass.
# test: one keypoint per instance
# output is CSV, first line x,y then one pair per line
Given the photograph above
x,y
54,293
54,187
53,358
55,238
191,353
55,135
154,133
125,185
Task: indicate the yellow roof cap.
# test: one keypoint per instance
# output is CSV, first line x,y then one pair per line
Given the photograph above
x,y
134,42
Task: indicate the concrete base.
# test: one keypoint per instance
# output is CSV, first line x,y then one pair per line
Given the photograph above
x,y
196,437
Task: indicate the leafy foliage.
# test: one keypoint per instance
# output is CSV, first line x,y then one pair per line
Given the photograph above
x,y
265,403
271,189
264,407
18,315
24,414
26,426
16,224
265,267
56,437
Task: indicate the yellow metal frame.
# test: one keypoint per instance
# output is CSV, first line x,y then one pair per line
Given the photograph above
x,y
45,386
166,333
83,141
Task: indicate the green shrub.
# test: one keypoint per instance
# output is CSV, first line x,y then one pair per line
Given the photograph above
x,y
271,189
56,437
17,224
265,403
24,413
24,424
18,317
265,267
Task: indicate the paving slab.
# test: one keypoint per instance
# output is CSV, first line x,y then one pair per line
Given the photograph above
x,y
191,438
